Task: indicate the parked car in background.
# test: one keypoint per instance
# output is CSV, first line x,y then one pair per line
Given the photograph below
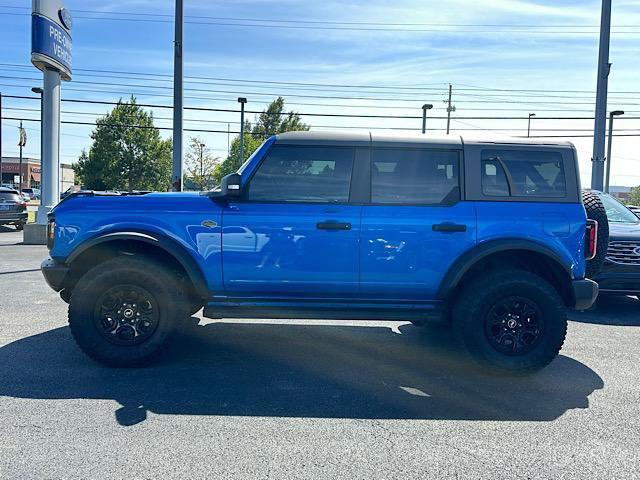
x,y
34,193
620,273
13,208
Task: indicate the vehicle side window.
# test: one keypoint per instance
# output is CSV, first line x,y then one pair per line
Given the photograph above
x,y
303,174
529,173
414,176
494,180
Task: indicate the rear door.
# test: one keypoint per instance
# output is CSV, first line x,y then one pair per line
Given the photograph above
x,y
416,226
295,232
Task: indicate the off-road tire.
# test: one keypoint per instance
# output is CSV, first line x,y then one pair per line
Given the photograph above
x,y
139,272
596,211
475,301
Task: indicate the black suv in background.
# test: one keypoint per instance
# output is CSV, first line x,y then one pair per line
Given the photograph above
x,y
620,274
13,209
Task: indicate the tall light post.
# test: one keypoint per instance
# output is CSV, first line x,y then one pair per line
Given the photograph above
x,y
22,142
604,67
39,91
529,124
615,113
201,145
178,97
242,101
425,107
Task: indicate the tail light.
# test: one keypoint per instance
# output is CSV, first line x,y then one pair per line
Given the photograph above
x,y
51,233
591,239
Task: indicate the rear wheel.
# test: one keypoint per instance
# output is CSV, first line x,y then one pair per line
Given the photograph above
x,y
122,312
595,211
511,321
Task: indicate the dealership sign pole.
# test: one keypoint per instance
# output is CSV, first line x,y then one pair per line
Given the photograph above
x,y
50,52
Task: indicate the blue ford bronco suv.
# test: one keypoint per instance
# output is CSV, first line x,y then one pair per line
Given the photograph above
x,y
489,237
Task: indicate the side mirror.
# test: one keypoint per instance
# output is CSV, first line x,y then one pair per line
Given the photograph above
x,y
230,187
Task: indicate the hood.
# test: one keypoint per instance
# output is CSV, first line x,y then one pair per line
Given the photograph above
x,y
624,231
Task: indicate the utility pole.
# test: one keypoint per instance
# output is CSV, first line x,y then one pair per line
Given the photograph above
x,y
201,166
529,124
450,108
425,107
604,67
178,92
0,138
242,101
615,113
22,141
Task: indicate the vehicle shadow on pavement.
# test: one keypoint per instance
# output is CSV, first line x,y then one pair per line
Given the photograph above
x,y
611,310
297,371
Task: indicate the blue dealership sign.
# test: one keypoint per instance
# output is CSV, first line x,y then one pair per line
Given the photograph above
x,y
50,45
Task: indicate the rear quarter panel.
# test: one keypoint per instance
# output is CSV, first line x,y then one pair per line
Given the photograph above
x,y
559,227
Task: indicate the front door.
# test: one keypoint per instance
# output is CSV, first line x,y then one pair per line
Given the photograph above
x,y
416,226
294,233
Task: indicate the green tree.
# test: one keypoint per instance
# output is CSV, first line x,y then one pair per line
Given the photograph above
x,y
271,121
634,196
201,164
127,152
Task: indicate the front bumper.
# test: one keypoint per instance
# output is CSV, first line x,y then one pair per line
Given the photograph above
x,y
585,292
55,273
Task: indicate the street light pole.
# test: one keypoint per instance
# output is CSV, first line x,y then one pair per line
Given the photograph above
x,y
201,167
529,124
178,93
0,139
39,91
615,113
597,160
242,101
425,107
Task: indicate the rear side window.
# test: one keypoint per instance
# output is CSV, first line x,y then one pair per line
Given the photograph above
x,y
414,176
9,197
303,174
523,173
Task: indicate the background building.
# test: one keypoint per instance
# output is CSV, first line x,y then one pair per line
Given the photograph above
x,y
31,173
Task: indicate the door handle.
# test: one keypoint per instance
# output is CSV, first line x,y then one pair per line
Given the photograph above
x,y
333,226
449,227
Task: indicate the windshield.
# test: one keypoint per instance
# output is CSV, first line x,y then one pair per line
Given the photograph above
x,y
616,211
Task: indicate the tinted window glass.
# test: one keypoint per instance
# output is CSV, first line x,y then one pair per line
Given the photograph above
x,y
303,174
9,197
529,173
414,176
494,180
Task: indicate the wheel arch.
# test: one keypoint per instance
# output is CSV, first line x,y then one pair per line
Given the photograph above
x,y
106,245
519,253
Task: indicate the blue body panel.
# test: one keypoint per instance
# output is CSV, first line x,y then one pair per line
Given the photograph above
x,y
402,257
277,249
559,227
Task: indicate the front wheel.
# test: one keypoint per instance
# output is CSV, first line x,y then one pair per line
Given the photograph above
x,y
122,312
511,321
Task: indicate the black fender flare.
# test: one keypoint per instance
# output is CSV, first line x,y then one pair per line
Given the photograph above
x,y
170,246
470,258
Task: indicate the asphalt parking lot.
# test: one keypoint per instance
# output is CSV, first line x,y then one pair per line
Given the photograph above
x,y
284,400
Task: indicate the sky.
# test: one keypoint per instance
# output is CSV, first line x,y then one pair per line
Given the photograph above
x,y
504,60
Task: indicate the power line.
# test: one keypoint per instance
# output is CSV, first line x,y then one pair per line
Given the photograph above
x,y
302,25
422,87
309,114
